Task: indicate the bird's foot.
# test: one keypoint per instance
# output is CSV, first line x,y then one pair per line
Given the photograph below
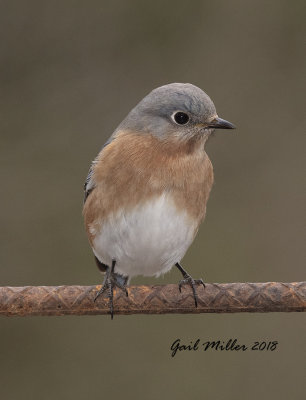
x,y
188,280
112,280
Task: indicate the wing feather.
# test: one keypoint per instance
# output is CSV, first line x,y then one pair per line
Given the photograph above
x,y
90,184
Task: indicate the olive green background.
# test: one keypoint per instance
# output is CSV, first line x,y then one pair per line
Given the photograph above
x,y
70,72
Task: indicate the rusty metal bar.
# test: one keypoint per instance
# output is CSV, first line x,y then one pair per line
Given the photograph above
x,y
159,299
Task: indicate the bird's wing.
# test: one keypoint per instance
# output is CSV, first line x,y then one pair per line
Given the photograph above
x,y
90,184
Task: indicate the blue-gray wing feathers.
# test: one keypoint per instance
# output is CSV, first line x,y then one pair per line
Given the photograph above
x,y
89,184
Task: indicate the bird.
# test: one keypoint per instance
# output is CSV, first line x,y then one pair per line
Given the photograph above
x,y
146,191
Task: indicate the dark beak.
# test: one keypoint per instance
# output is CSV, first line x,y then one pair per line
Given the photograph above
x,y
219,123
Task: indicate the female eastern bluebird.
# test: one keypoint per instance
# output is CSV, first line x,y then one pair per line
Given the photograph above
x,y
146,191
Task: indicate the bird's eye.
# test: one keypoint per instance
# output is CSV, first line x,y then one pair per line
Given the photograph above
x,y
180,118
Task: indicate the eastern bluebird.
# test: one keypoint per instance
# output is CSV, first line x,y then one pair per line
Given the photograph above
x,y
146,191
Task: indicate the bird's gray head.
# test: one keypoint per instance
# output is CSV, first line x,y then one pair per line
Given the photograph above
x,y
179,110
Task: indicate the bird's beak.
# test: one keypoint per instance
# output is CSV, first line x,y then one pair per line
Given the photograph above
x,y
219,123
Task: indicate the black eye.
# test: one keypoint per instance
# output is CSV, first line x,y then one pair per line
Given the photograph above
x,y
181,118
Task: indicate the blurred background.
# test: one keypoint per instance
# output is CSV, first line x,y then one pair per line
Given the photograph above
x,y
70,72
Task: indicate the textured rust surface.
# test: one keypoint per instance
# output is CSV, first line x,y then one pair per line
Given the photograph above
x,y
159,299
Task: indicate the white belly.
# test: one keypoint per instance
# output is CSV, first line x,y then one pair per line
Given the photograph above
x,y
146,241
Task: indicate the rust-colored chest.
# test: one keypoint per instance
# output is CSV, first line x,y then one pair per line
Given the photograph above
x,y
134,168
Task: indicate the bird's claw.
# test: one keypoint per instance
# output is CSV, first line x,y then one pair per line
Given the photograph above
x,y
111,281
188,280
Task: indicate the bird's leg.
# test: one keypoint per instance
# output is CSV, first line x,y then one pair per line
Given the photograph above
x,y
187,279
112,280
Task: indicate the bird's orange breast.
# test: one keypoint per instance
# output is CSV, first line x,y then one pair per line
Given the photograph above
x,y
134,168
